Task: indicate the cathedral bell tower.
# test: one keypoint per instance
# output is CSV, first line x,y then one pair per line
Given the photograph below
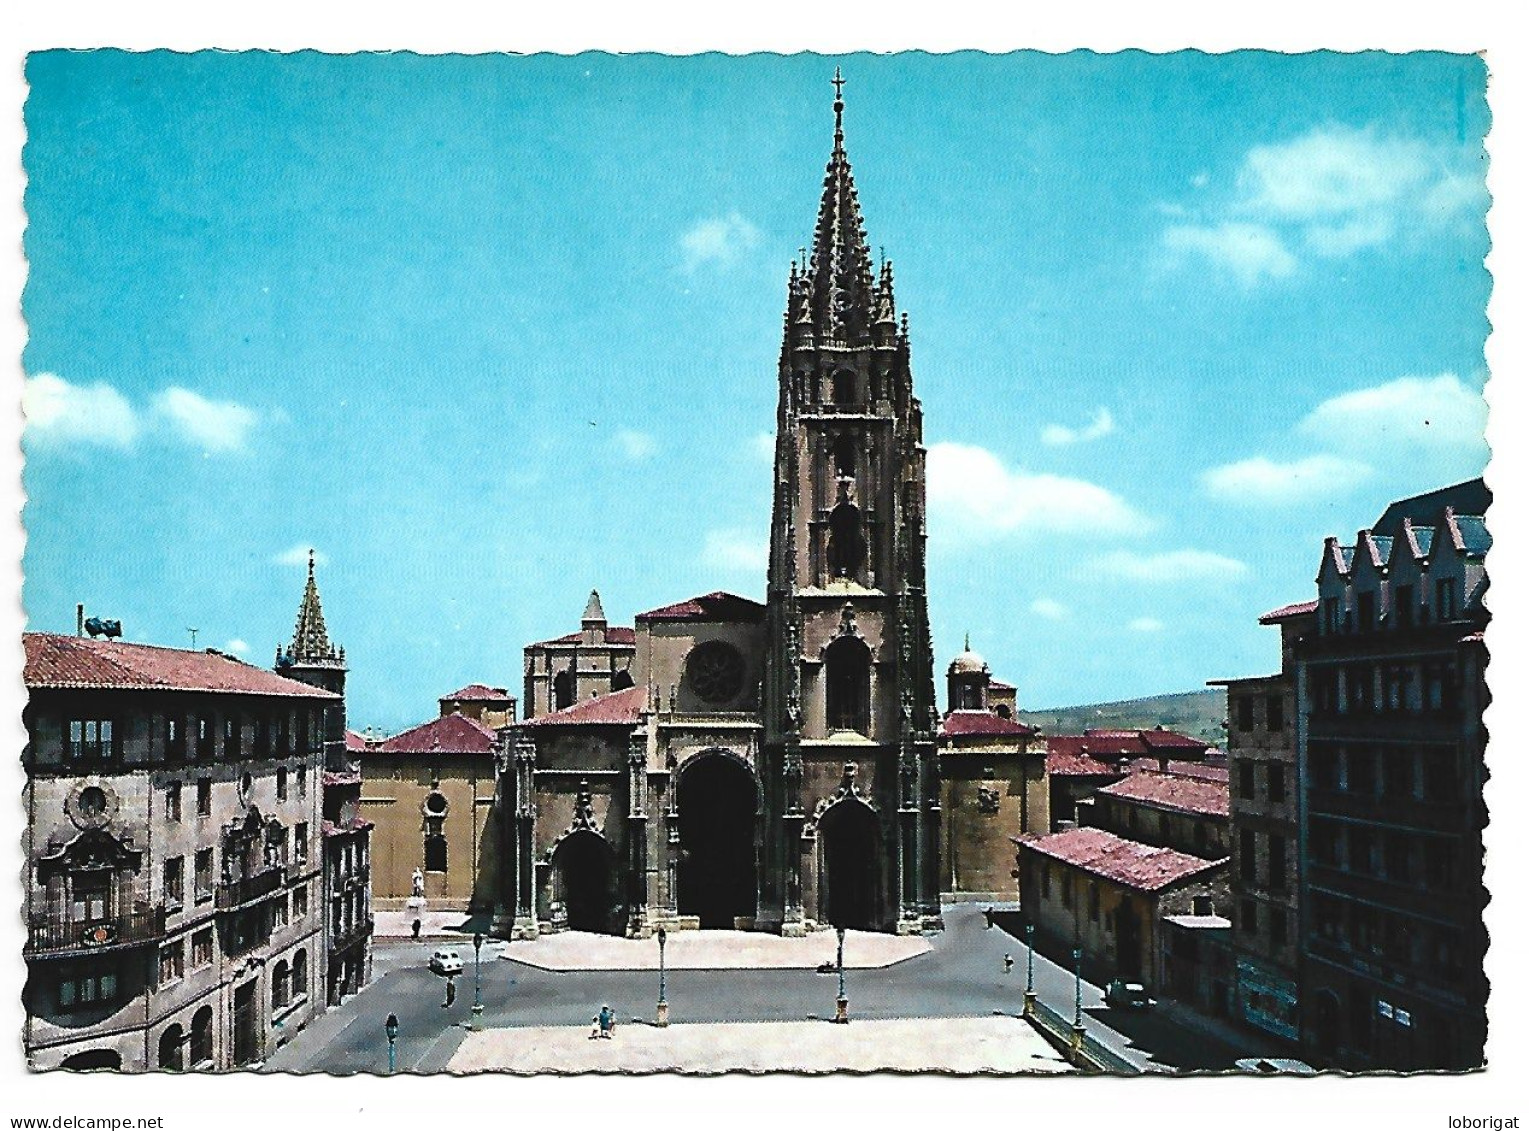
x,y
313,660
852,797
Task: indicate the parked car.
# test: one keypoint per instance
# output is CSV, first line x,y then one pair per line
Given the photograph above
x,y
1259,1066
446,962
1127,995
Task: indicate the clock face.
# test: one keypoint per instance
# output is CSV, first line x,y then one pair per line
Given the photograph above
x,y
715,671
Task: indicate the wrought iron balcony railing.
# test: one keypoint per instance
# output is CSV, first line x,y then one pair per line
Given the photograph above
x,y
60,935
244,890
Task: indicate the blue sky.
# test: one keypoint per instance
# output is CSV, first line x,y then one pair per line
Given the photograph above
x,y
490,331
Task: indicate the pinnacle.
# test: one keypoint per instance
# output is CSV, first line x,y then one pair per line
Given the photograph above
x,y
310,638
594,611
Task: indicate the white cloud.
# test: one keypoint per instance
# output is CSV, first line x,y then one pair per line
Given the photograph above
x,y
1420,412
1329,194
1049,609
215,426
298,555
1262,481
972,494
1169,565
718,241
1146,624
636,446
237,647
735,549
1059,434
1250,252
58,412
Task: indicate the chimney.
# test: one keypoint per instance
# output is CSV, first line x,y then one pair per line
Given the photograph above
x,y
79,620
1162,763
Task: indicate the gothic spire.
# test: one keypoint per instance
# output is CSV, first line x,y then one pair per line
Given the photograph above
x,y
594,611
310,639
839,272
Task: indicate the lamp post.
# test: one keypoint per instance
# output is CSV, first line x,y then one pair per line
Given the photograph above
x,y
391,1028
1077,998
841,1006
1029,969
663,1004
477,1017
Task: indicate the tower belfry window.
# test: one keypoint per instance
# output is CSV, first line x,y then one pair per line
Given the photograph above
x,y
844,455
844,387
847,668
846,542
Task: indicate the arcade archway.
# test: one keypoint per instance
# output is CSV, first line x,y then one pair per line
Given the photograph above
x,y
850,836
717,873
581,880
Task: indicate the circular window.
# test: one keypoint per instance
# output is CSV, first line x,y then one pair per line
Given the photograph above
x,y
715,671
435,804
92,801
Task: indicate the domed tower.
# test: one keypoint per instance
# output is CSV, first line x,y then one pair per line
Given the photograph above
x,y
968,681
851,783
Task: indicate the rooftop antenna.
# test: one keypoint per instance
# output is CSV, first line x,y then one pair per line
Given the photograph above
x,y
193,632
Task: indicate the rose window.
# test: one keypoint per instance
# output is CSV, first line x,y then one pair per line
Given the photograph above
x,y
715,671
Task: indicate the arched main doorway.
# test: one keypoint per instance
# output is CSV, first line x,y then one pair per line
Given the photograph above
x,y
717,875
850,836
581,880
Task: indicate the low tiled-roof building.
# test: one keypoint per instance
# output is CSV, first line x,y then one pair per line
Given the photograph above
x,y
1108,893
1176,810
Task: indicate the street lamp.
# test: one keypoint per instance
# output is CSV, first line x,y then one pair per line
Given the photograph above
x,y
663,1004
1029,969
391,1028
477,1017
841,1006
1077,998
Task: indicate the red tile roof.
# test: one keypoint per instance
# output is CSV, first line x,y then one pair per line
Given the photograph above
x,y
1176,792
354,741
1067,756
355,824
619,708
1140,866
480,693
450,734
1000,685
78,662
1288,612
1117,744
718,606
982,722
337,779
617,635
1172,740
1209,770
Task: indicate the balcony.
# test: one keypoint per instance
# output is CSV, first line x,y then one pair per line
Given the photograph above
x,y
352,934
58,936
1414,897
245,890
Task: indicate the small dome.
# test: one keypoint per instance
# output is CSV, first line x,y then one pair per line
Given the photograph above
x,y
968,662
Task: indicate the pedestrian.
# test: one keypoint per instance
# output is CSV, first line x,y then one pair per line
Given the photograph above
x,y
606,1021
416,929
451,991
594,1028
1008,963
987,913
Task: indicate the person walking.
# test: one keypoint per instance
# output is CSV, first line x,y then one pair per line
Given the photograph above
x,y
606,1022
1008,963
451,992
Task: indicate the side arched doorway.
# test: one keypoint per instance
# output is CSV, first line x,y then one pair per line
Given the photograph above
x,y
1325,1024
172,1049
850,839
717,874
94,1060
581,881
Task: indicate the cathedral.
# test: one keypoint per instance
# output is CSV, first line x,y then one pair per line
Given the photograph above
x,y
773,767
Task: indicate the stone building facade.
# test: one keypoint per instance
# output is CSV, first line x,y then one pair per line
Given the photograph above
x,y
1391,687
993,784
347,908
1107,895
174,856
1265,834
430,790
771,765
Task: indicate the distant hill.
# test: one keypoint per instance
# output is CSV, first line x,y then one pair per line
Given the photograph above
x,y
1196,713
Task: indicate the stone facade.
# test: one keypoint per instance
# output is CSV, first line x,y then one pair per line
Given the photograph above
x,y
1265,835
174,856
1391,687
769,765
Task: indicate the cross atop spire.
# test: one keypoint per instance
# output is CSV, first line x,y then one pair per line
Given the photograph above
x,y
310,638
839,273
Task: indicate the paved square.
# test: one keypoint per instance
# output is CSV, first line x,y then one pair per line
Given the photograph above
x,y
965,1045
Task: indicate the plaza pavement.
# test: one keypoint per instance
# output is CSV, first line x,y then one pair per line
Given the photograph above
x,y
965,1046
714,950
